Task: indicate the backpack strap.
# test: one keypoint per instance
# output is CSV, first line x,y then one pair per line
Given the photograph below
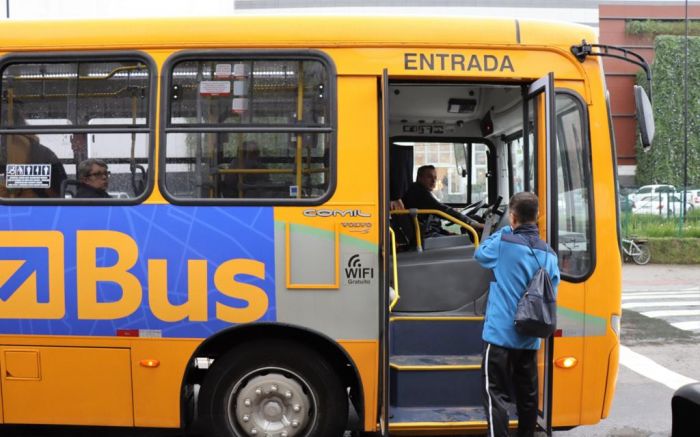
x,y
531,250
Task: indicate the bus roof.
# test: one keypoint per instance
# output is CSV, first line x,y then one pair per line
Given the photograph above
x,y
287,31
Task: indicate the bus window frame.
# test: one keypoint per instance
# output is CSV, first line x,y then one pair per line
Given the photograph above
x,y
509,140
149,128
588,153
331,129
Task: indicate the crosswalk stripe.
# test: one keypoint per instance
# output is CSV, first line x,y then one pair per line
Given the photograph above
x,y
631,305
658,299
687,326
671,313
650,369
661,296
660,291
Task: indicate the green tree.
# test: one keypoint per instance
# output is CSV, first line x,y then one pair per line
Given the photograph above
x,y
664,162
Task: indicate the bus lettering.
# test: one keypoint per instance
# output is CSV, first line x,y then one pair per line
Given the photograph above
x,y
225,281
457,62
195,309
89,274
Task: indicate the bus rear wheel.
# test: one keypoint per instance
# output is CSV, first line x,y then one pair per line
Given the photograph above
x,y
275,389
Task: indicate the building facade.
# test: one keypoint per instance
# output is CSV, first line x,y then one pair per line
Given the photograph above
x,y
620,76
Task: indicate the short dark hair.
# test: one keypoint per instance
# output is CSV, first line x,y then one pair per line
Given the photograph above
x,y
524,206
422,169
85,167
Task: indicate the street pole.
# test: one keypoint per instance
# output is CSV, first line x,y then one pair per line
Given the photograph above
x,y
7,8
685,121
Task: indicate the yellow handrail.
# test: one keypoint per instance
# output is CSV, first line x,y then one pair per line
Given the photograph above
x,y
440,214
395,300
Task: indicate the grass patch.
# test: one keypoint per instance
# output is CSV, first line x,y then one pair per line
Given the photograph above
x,y
670,241
653,226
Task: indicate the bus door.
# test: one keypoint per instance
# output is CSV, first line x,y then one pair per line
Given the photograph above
x,y
540,126
386,247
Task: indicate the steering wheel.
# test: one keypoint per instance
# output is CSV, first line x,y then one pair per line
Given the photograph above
x,y
494,217
472,207
495,207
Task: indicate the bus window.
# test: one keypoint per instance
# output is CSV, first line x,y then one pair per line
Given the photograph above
x,y
479,186
452,187
56,115
516,158
573,174
248,129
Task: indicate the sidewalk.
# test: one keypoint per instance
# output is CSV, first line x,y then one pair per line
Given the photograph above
x,y
652,276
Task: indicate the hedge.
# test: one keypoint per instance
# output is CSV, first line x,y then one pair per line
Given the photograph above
x,y
658,27
674,250
664,162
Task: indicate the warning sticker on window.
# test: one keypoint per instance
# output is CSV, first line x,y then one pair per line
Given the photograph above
x,y
28,175
223,71
215,88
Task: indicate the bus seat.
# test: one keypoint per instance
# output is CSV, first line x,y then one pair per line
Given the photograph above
x,y
441,280
65,191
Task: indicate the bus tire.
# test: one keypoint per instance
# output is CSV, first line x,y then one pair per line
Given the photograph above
x,y
276,387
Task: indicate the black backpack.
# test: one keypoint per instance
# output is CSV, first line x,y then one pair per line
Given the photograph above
x,y
536,314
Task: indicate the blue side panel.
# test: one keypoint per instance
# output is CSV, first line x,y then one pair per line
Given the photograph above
x,y
161,232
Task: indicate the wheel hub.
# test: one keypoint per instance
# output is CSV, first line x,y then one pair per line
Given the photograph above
x,y
272,405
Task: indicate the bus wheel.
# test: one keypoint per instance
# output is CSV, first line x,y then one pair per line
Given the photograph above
x,y
275,389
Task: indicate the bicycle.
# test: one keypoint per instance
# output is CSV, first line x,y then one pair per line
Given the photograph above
x,y
637,250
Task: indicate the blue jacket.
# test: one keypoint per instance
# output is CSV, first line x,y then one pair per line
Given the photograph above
x,y
508,254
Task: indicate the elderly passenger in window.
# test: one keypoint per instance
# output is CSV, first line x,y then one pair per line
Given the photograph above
x,y
93,178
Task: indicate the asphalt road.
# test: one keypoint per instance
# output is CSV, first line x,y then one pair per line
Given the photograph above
x,y
642,404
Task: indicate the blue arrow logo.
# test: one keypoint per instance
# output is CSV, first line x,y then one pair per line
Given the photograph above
x,y
25,261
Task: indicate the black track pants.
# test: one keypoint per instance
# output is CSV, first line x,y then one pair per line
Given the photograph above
x,y
505,370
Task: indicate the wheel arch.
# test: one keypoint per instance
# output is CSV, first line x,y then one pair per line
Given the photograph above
x,y
229,339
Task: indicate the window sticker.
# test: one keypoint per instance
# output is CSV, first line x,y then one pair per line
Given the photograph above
x,y
28,176
223,71
215,88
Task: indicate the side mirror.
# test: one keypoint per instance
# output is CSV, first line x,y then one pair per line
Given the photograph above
x,y
645,116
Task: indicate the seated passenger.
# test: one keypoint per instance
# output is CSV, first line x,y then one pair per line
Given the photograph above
x,y
419,196
93,178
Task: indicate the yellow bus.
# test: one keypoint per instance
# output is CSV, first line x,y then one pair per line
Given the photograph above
x,y
195,224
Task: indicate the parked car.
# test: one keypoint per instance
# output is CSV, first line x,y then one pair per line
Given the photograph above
x,y
693,197
651,189
663,204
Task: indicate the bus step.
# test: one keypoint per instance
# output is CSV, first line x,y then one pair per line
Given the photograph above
x,y
406,417
402,361
436,382
435,335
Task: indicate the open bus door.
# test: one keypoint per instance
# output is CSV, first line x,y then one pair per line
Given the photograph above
x,y
541,123
385,245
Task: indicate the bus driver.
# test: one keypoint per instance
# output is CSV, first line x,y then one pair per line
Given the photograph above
x,y
419,195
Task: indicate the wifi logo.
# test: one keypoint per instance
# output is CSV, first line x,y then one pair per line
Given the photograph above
x,y
354,261
355,273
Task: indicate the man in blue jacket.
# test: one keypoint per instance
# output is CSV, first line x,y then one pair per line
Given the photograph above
x,y
510,359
